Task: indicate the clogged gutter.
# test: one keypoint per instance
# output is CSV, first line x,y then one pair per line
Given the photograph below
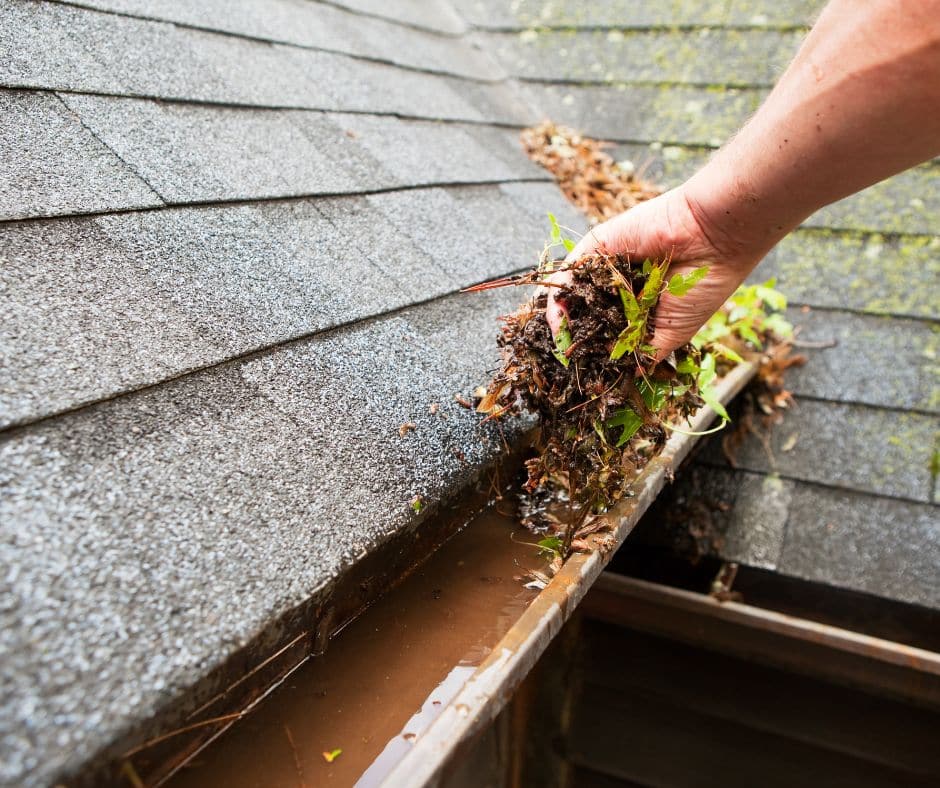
x,y
605,406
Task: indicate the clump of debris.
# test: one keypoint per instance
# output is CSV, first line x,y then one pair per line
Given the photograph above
x,y
605,406
587,175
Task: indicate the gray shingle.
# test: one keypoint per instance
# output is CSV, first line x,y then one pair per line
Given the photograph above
x,y
908,203
389,250
570,13
862,271
428,152
252,276
198,153
881,361
320,26
61,47
436,15
866,543
638,14
852,446
537,200
473,233
693,116
54,165
471,345
252,475
733,514
122,301
757,522
706,56
82,320
126,300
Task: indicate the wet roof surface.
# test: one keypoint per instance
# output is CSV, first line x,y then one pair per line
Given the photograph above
x,y
231,240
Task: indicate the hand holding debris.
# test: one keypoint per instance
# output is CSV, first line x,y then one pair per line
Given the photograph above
x,y
664,228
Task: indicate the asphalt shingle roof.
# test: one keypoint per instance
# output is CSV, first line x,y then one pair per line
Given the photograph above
x,y
230,243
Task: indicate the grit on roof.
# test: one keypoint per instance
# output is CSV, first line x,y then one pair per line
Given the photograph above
x,y
231,240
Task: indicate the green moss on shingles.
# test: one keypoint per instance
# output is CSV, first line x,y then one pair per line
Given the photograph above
x,y
716,56
907,203
862,271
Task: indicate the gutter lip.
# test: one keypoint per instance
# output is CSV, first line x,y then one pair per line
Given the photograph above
x,y
488,690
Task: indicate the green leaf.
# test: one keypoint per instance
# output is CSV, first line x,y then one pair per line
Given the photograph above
x,y
647,266
650,293
417,504
726,352
774,299
555,237
687,366
627,341
706,372
779,325
629,420
631,309
551,544
749,334
654,394
710,396
680,284
332,755
562,342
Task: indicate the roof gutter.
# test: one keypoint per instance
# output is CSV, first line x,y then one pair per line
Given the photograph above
x,y
487,691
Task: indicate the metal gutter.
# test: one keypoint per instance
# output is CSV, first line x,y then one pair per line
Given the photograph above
x,y
491,686
808,647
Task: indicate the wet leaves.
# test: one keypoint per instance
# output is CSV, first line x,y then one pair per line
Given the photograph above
x,y
602,401
605,407
331,755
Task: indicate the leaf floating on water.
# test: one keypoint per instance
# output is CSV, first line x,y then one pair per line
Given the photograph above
x,y
405,428
332,755
551,544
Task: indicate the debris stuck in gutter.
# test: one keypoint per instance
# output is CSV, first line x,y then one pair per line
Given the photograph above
x,y
605,406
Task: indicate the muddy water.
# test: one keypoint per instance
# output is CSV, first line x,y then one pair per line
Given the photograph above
x,y
385,677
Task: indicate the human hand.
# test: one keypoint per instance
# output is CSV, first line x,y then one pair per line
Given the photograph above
x,y
668,226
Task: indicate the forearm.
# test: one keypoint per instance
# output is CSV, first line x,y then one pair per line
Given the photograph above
x,y
860,102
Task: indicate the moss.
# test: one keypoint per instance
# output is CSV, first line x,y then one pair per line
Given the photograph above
x,y
863,271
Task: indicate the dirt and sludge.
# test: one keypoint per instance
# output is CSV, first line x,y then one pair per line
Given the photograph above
x,y
348,716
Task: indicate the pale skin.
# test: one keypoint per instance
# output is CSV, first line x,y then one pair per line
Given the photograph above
x,y
860,102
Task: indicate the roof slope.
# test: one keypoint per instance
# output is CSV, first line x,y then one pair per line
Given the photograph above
x,y
847,494
230,243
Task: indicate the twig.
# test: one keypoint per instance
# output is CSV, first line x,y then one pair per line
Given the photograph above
x,y
178,731
293,749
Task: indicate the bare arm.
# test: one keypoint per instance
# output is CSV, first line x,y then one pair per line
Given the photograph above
x,y
859,103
